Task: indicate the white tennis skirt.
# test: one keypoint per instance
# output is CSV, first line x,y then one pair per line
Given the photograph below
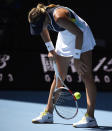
x,y
65,43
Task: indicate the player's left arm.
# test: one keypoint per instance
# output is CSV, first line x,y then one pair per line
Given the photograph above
x,y
62,18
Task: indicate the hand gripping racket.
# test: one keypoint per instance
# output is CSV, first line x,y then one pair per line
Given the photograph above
x,y
64,101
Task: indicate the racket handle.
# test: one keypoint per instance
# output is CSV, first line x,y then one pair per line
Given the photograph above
x,y
55,69
58,75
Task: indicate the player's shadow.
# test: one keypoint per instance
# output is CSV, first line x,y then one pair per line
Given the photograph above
x,y
63,123
99,128
102,128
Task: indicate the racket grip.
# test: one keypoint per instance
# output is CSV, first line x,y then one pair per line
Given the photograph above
x,y
55,68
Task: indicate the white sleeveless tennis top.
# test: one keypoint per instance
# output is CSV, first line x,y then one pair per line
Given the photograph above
x,y
65,43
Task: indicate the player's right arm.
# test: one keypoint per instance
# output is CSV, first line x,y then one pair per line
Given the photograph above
x,y
45,35
46,38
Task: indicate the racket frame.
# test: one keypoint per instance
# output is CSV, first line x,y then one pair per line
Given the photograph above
x,y
66,88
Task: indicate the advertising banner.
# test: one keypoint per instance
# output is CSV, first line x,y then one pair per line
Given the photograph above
x,y
30,70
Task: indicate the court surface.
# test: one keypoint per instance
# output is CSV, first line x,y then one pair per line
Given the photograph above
x,y
17,108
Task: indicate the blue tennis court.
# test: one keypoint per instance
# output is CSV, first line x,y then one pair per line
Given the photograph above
x,y
17,108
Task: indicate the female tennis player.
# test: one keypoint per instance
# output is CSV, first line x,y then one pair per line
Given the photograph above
x,y
74,40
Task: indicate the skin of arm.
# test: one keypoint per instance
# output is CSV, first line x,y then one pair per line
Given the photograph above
x,y
46,38
45,35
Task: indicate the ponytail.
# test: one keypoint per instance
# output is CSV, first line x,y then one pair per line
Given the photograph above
x,y
36,12
41,8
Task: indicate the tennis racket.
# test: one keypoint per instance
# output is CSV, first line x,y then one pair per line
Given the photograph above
x,y
64,101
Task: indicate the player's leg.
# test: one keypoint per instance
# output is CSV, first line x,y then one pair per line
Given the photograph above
x,y
47,115
90,92
62,64
89,83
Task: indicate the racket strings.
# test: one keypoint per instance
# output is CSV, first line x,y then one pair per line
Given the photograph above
x,y
65,104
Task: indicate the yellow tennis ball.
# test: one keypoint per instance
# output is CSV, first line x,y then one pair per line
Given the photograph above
x,y
77,95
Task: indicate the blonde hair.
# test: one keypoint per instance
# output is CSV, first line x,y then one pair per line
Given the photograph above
x,y
35,13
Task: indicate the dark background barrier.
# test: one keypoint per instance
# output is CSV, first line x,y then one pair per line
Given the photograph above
x,y
34,71
23,58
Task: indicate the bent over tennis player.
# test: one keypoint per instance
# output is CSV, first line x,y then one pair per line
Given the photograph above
x,y
74,40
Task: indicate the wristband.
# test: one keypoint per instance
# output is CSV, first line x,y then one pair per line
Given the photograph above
x,y
49,45
76,53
